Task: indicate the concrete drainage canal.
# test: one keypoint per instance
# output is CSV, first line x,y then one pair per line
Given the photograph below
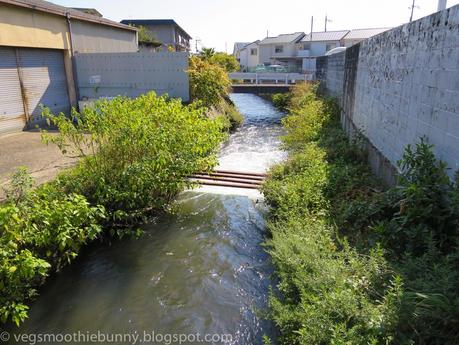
x,y
199,275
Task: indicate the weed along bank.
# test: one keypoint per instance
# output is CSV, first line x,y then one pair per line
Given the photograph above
x,y
135,155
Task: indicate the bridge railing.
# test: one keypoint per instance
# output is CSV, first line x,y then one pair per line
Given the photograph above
x,y
259,78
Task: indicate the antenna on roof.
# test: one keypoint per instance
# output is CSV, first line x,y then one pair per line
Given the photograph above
x,y
327,21
267,33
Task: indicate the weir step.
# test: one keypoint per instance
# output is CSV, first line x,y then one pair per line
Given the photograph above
x,y
228,178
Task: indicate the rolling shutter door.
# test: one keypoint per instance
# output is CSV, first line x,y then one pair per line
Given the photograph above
x,y
12,114
42,73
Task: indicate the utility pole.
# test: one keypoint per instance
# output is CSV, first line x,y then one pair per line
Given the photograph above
x,y
312,26
412,10
197,40
267,33
441,5
310,40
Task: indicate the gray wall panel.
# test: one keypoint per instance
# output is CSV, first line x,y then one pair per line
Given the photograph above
x,y
131,74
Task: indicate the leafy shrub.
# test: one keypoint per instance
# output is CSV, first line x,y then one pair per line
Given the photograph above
x,y
135,153
38,235
19,187
210,87
281,100
357,264
226,61
209,83
228,113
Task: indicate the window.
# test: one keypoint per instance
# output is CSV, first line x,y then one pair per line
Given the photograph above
x,y
306,46
330,46
253,51
278,49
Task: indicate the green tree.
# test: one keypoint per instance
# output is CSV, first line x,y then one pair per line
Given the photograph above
x,y
226,61
209,83
207,53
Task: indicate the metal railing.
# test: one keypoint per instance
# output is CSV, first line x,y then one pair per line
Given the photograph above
x,y
260,78
271,69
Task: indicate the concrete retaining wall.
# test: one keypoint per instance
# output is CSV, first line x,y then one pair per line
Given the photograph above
x,y
131,74
401,85
331,70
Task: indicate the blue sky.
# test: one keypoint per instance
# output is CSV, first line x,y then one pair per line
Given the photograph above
x,y
219,23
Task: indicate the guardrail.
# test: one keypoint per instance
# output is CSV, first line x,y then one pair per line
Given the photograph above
x,y
259,78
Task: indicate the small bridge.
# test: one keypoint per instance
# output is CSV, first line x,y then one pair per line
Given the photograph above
x,y
226,178
259,83
258,89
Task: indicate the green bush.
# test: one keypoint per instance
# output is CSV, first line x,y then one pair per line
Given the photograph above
x,y
358,264
39,234
281,100
210,87
135,153
226,61
209,83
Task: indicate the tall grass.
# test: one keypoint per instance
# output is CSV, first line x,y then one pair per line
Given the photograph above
x,y
358,264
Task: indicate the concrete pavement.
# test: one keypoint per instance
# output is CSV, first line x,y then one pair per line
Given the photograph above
x,y
26,149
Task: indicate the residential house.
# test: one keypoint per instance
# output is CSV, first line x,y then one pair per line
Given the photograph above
x,y
297,51
281,49
317,44
249,56
37,42
166,31
357,35
92,11
238,46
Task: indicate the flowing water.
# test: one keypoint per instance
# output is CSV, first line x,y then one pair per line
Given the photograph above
x,y
200,270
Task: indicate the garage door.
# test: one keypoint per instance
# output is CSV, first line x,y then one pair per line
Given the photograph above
x,y
44,82
12,113
30,78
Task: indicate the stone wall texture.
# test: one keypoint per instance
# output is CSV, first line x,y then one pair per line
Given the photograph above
x,y
401,85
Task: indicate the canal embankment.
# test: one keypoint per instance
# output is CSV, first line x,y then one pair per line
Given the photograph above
x,y
200,268
358,263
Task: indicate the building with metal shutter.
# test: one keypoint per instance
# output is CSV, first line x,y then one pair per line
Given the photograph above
x,y
38,40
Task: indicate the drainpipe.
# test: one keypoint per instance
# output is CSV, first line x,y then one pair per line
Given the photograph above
x,y
72,57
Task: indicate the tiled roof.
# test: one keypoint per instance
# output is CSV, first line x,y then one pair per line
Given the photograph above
x,y
361,34
284,38
325,36
92,11
49,7
143,22
239,45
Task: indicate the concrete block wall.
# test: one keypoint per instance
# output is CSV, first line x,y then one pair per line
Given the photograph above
x,y
331,69
408,86
404,85
132,74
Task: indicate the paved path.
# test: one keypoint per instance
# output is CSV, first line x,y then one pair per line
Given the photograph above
x,y
26,149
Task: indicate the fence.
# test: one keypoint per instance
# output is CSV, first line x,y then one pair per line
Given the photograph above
x,y
131,74
259,78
